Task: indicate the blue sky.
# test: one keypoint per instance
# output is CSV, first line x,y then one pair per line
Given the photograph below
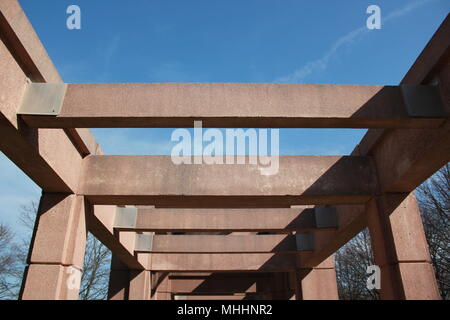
x,y
225,41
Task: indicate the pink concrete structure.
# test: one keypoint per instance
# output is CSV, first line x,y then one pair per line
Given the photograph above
x,y
244,236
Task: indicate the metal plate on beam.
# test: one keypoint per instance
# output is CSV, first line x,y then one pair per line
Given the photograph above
x,y
144,241
423,101
304,241
125,217
326,216
43,99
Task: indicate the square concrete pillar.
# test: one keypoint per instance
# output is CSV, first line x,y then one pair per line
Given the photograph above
x,y
280,286
51,282
163,287
140,285
294,283
56,253
319,283
400,248
119,278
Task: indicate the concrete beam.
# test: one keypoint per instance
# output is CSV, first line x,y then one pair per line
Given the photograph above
x,y
281,220
222,244
232,262
243,105
137,180
227,283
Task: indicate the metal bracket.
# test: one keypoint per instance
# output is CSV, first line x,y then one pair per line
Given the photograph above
x,y
43,99
144,241
325,216
304,241
423,101
125,217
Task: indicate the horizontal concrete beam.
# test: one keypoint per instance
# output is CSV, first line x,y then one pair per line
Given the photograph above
x,y
221,284
156,180
225,105
223,244
219,262
300,219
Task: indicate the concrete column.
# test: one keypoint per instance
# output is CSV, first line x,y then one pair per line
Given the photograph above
x,y
294,283
57,248
163,288
280,286
400,248
119,276
319,283
140,285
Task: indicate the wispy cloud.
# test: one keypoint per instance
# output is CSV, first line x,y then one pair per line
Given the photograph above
x,y
322,63
108,52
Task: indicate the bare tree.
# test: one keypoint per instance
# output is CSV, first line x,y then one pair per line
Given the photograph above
x,y
9,264
352,261
95,277
434,201
94,281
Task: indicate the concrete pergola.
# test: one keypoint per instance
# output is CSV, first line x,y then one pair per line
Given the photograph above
x,y
244,235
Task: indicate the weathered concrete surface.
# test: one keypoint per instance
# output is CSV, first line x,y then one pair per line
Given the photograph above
x,y
239,105
281,220
49,282
222,244
140,285
57,250
214,286
119,280
319,283
60,231
161,287
155,180
263,262
400,248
